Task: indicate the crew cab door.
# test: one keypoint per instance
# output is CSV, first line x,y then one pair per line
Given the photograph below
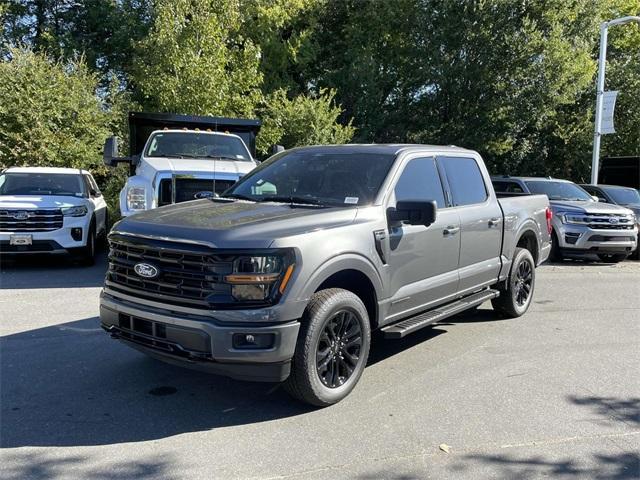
x,y
422,261
480,220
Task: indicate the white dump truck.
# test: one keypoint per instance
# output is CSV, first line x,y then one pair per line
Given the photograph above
x,y
177,158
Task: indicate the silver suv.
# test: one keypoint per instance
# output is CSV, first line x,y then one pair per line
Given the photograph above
x,y
581,224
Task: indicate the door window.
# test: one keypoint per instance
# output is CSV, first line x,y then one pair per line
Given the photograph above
x,y
93,185
465,180
420,181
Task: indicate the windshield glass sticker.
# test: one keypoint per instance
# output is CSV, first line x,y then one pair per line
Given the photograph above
x,y
351,200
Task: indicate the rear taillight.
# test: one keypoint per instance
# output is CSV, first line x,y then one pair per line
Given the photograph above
x,y
549,215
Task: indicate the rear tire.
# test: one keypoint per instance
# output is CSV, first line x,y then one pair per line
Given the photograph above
x,y
612,257
332,348
517,292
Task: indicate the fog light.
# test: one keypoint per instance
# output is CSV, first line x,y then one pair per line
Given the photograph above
x,y
253,341
76,234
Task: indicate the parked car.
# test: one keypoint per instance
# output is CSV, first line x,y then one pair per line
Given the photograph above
x,y
285,277
623,196
581,224
51,210
176,158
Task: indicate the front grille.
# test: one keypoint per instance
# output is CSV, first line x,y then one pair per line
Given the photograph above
x,y
610,222
189,275
44,220
169,338
188,188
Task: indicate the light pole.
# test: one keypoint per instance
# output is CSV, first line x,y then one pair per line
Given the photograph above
x,y
602,60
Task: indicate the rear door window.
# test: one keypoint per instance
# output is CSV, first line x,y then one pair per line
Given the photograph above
x,y
465,180
420,181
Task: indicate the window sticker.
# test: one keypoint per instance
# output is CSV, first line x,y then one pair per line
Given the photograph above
x,y
351,200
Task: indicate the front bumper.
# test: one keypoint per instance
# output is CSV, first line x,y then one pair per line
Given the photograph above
x,y
201,343
580,239
55,241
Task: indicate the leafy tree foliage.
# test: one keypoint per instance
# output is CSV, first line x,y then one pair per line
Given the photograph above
x,y
49,113
304,120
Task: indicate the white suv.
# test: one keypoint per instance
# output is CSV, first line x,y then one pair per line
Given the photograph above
x,y
51,210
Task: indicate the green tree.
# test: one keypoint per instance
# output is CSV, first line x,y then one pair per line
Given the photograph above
x,y
303,120
49,113
196,60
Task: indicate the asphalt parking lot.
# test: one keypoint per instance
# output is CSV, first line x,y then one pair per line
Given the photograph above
x,y
553,394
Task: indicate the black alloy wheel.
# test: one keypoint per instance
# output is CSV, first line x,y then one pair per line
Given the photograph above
x,y
339,348
523,283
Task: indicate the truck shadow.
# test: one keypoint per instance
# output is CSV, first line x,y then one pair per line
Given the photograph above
x,y
70,385
51,271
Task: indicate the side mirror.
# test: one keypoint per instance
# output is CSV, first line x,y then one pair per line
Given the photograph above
x,y
110,153
414,212
595,198
276,149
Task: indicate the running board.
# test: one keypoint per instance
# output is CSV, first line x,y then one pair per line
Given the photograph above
x,y
411,324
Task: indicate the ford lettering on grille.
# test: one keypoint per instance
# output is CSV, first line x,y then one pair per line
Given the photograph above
x,y
146,270
20,215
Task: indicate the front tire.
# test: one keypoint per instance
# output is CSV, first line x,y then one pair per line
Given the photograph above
x,y
87,254
515,297
332,348
555,255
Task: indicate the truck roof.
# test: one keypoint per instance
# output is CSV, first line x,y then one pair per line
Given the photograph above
x,y
383,148
56,170
538,179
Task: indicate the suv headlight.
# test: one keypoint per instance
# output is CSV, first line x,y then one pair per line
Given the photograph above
x,y
136,198
77,211
260,277
574,218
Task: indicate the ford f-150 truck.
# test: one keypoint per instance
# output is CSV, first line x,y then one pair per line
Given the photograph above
x,y
581,224
176,158
286,275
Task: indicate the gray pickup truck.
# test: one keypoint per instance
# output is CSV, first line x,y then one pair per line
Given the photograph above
x,y
285,276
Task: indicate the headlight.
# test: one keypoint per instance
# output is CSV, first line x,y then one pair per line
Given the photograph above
x,y
259,277
79,211
136,198
574,218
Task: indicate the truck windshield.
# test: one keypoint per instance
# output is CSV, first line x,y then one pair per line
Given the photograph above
x,y
558,190
197,145
624,196
316,178
41,184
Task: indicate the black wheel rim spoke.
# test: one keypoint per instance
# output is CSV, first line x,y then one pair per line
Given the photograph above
x,y
338,350
523,283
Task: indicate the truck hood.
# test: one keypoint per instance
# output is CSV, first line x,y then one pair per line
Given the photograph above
x,y
194,165
587,207
233,225
31,202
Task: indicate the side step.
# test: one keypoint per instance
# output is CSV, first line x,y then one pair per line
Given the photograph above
x,y
411,324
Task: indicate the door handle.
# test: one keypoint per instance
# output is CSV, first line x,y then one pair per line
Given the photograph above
x,y
494,222
450,230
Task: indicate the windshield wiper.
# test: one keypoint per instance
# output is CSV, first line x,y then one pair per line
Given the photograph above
x,y
238,196
292,199
220,157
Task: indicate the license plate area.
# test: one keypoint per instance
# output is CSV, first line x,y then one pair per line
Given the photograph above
x,y
21,240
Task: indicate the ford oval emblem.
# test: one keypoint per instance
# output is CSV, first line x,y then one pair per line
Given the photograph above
x,y
20,215
203,194
146,270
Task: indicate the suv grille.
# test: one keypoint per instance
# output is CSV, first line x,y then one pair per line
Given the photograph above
x,y
610,222
44,220
187,188
189,275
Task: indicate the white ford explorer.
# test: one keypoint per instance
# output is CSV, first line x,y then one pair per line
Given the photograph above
x,y
51,210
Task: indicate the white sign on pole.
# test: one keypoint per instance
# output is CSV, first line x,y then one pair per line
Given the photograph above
x,y
608,106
